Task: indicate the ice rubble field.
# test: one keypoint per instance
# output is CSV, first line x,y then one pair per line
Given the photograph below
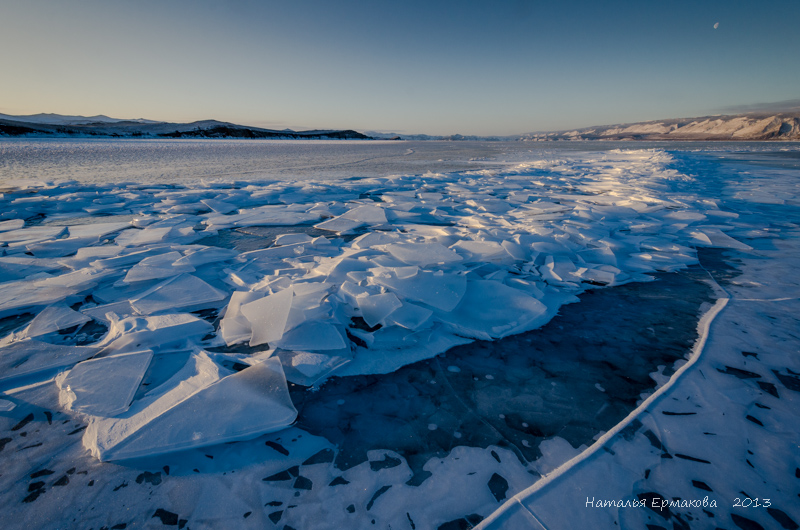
x,y
119,287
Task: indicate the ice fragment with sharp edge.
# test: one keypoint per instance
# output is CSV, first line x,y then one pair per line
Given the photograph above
x,y
234,326
201,405
314,336
491,310
104,386
96,230
180,292
29,358
374,308
153,332
157,267
442,291
54,318
409,316
423,253
139,237
268,316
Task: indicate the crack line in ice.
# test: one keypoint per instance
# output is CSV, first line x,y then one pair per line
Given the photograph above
x,y
442,374
704,329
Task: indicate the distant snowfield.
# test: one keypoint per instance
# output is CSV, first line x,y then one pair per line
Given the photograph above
x,y
138,311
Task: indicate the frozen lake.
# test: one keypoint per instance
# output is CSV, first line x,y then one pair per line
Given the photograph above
x,y
369,334
187,161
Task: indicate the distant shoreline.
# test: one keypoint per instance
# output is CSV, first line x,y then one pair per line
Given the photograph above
x,y
16,131
778,127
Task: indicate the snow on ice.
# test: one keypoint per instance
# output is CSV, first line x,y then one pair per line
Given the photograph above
x,y
425,263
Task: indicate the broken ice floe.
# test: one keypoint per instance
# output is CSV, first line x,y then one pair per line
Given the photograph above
x,y
157,267
179,292
202,404
33,358
54,318
268,316
104,386
420,264
136,333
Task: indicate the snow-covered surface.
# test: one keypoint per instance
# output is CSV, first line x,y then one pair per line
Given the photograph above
x,y
166,330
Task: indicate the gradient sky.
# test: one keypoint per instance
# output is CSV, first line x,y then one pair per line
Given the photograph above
x,y
437,67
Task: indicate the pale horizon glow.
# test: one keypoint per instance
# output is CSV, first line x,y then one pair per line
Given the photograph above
x,y
448,67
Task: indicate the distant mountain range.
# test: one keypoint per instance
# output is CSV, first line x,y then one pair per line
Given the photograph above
x,y
753,127
739,127
784,126
58,126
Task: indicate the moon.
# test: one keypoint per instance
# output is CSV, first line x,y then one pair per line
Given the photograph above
x,y
716,25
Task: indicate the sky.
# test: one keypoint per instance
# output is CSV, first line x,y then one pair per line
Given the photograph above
x,y
437,67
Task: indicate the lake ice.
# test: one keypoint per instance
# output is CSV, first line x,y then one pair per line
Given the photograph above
x,y
164,321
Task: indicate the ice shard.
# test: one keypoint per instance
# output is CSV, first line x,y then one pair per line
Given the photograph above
x,y
436,289
234,326
54,318
201,405
104,386
156,267
268,316
375,308
184,292
31,357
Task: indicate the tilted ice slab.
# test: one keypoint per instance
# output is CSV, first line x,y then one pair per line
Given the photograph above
x,y
23,295
104,386
197,256
57,248
138,237
267,316
235,327
183,291
314,336
137,333
278,215
436,289
157,267
25,236
423,253
33,358
355,218
107,313
375,308
19,267
491,310
11,224
307,368
96,230
219,207
54,318
202,404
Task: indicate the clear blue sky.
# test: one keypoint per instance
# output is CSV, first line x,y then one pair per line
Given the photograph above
x,y
437,67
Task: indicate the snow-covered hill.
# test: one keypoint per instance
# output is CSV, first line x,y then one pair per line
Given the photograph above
x,y
782,126
58,119
58,126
